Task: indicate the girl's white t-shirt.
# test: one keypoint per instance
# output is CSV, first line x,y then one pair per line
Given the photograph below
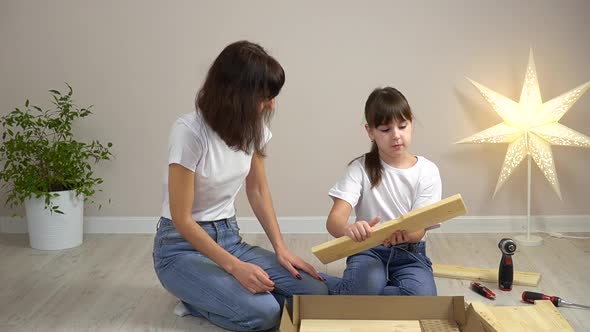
x,y
399,192
219,170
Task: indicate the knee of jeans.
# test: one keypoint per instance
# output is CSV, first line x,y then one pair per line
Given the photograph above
x,y
365,289
338,286
307,286
262,317
316,287
358,287
420,290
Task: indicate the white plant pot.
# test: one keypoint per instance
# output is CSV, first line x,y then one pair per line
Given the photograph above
x,y
53,231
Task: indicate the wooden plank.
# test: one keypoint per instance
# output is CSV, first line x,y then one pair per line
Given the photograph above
x,y
480,274
421,218
542,316
487,318
340,325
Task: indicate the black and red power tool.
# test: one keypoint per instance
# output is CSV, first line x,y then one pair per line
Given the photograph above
x,y
506,271
530,297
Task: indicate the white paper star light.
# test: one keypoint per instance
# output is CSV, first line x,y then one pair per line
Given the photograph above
x,y
530,126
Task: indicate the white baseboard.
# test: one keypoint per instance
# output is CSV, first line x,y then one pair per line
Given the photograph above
x,y
315,224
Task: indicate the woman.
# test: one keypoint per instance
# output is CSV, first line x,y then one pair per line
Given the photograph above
x,y
199,255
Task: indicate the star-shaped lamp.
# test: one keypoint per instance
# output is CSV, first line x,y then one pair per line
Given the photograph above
x,y
530,127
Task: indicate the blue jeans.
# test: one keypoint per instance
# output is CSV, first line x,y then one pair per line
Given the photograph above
x,y
403,269
207,290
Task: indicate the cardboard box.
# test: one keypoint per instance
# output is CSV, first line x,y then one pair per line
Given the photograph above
x,y
443,308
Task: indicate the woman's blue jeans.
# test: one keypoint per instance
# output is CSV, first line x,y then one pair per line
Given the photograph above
x,y
207,290
403,269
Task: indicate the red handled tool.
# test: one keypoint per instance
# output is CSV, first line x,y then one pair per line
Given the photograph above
x,y
483,290
530,297
506,270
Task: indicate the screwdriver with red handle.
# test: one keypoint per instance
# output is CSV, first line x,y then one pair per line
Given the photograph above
x,y
530,297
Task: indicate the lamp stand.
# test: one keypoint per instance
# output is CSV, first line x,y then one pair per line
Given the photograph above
x,y
528,240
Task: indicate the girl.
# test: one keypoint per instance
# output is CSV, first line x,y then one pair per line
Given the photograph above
x,y
199,255
385,183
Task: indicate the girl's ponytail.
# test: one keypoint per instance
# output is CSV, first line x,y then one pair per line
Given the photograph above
x,y
373,165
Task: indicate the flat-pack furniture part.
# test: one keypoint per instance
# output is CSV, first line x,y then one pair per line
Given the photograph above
x,y
421,218
435,313
542,316
481,274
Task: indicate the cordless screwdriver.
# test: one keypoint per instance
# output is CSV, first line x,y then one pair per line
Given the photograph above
x,y
506,270
530,297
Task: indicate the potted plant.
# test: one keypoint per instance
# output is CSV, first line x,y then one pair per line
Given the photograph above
x,y
47,169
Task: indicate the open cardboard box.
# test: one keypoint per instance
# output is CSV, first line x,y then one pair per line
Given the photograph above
x,y
444,308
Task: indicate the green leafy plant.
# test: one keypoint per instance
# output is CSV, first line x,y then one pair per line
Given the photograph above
x,y
40,155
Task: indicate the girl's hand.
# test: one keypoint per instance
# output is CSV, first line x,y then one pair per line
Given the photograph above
x,y
361,230
397,237
253,278
291,262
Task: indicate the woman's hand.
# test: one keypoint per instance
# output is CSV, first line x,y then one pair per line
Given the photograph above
x,y
253,278
401,236
291,262
361,230
396,237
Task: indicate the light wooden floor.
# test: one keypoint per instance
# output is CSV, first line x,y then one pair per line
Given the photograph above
x,y
108,283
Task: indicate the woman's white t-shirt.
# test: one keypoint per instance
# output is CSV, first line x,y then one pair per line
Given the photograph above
x,y
219,170
399,192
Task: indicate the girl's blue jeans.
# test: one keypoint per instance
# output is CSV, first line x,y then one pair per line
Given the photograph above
x,y
207,290
403,269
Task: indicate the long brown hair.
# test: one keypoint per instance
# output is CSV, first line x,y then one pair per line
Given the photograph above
x,y
240,79
383,106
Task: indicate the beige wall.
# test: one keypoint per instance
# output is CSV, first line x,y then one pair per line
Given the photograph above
x,y
140,63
